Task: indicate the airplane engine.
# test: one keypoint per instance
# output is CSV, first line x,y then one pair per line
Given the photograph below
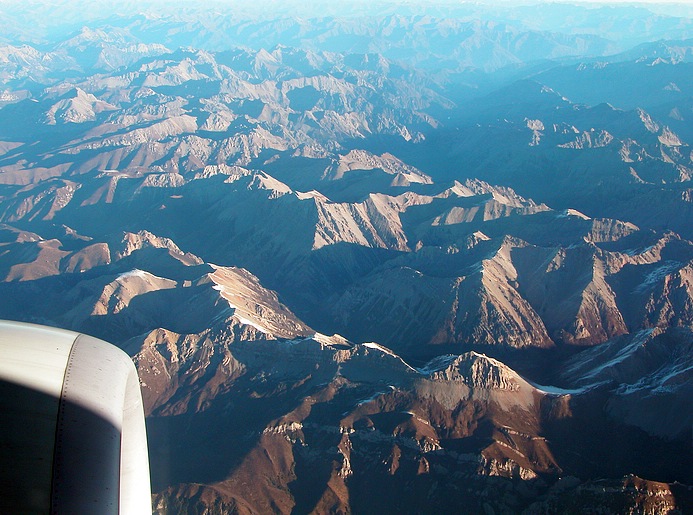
x,y
72,430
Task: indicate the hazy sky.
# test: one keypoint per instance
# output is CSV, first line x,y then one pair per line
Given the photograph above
x,y
61,11
332,2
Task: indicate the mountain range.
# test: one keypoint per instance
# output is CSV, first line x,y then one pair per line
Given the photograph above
x,y
424,261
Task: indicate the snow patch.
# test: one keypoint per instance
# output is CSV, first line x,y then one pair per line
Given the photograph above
x,y
639,339
437,364
555,390
657,383
245,321
372,345
572,212
236,310
134,273
657,275
371,398
312,194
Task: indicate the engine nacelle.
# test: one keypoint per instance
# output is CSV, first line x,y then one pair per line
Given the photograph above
x,y
72,430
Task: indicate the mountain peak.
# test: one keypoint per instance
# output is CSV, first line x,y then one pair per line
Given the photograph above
x,y
479,371
254,305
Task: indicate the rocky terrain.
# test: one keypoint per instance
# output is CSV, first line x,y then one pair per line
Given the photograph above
x,y
416,262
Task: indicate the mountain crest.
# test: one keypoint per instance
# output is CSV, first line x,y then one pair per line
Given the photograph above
x,y
479,371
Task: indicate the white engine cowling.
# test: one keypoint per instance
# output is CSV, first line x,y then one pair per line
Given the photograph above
x,y
72,430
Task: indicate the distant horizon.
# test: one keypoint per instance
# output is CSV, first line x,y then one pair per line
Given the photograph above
x,y
328,7
680,3
41,20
